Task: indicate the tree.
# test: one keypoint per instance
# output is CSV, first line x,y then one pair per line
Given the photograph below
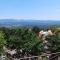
x,y
55,42
53,28
36,29
2,41
25,40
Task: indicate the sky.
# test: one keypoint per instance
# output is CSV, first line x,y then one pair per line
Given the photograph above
x,y
30,9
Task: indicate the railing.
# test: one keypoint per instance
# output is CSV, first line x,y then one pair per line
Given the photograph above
x,y
43,57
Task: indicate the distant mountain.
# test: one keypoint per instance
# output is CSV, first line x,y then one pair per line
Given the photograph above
x,y
27,23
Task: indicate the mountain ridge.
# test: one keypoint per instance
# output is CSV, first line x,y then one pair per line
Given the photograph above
x,y
27,23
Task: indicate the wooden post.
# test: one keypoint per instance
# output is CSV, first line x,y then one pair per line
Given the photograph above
x,y
29,58
39,58
44,58
58,57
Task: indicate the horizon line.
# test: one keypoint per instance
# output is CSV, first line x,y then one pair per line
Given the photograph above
x,y
26,19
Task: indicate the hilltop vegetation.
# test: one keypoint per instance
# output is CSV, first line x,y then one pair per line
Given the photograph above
x,y
27,41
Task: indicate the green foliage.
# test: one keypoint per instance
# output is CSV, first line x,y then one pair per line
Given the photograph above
x,y
2,41
53,28
23,38
36,29
55,42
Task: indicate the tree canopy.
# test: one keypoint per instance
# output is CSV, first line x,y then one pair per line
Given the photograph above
x,y
2,41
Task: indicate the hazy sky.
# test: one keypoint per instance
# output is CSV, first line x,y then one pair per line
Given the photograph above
x,y
30,9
